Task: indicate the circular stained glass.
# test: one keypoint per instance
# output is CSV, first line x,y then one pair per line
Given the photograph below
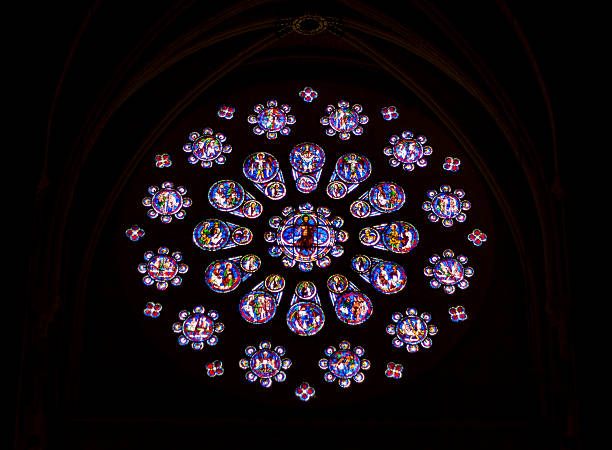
x,y
353,308
400,237
257,307
222,276
211,234
387,197
343,119
272,119
162,268
260,167
449,271
353,168
265,363
167,202
344,364
305,318
408,150
207,148
412,330
307,157
388,277
306,237
446,206
226,195
198,328
336,189
242,236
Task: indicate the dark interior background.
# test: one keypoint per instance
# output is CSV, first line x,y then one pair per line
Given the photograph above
x,y
95,373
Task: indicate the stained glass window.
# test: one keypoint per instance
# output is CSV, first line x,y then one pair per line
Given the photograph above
x,y
330,266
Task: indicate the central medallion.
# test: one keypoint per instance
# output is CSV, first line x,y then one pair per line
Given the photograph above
x,y
306,237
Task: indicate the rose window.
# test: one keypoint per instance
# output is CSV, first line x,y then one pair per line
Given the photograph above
x,y
306,263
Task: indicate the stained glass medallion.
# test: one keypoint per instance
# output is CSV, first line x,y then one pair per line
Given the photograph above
x,y
446,205
306,160
216,234
408,151
207,148
385,276
396,237
260,305
229,196
350,170
352,307
305,316
306,237
167,202
198,328
383,198
264,171
163,268
225,275
265,364
449,272
271,119
412,330
344,120
344,364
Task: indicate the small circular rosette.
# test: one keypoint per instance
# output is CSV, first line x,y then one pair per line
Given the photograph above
x,y
207,148
344,120
411,330
198,328
265,364
271,119
448,271
304,392
162,269
446,205
167,202
407,151
344,364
